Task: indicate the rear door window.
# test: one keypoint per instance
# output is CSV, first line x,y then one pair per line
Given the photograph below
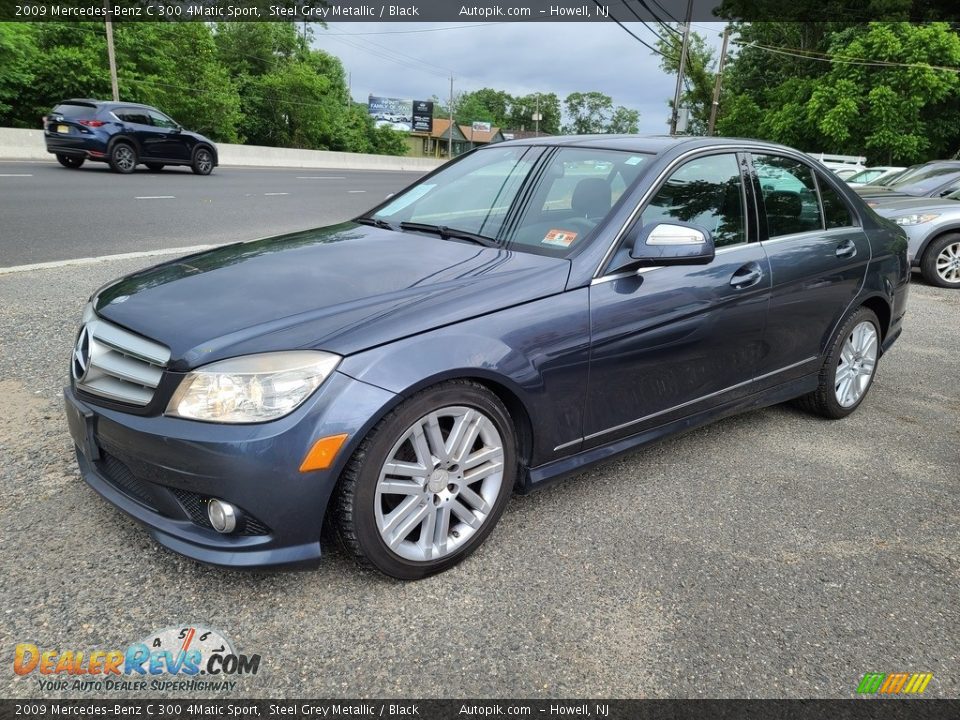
x,y
789,195
836,213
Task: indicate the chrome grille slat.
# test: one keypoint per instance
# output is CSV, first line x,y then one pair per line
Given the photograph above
x,y
118,364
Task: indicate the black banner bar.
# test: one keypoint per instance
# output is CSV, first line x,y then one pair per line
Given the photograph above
x,y
167,709
465,11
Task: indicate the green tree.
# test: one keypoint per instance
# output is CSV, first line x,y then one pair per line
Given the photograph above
x,y
18,57
523,108
887,110
624,120
588,112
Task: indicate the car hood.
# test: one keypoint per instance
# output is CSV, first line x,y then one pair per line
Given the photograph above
x,y
343,288
903,206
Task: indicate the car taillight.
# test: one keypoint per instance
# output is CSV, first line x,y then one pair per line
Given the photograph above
x,y
92,123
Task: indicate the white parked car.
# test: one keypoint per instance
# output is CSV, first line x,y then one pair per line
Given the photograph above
x,y
877,175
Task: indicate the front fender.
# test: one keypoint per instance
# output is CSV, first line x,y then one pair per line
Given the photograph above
x,y
538,352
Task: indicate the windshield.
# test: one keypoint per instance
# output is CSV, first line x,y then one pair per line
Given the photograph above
x,y
865,176
926,179
521,197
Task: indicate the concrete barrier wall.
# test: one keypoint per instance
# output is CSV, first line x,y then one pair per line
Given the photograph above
x,y
17,144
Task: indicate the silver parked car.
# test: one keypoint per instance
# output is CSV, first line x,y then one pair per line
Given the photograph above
x,y
933,228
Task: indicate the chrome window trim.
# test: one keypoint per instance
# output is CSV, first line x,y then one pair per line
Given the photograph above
x,y
705,150
668,410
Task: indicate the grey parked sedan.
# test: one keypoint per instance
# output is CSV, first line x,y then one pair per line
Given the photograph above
x,y
933,228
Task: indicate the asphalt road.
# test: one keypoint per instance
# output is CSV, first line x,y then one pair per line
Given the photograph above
x,y
770,555
50,213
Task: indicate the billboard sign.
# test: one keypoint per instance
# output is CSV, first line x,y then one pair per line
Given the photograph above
x,y
423,116
483,127
392,112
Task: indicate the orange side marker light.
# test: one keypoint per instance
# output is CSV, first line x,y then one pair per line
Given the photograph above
x,y
322,453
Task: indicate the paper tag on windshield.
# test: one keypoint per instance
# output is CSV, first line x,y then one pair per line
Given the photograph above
x,y
560,238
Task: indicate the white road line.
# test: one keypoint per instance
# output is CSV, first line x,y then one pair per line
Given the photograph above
x,y
156,197
15,175
103,258
356,191
321,177
271,194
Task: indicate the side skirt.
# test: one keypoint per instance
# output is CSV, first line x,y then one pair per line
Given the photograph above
x,y
563,468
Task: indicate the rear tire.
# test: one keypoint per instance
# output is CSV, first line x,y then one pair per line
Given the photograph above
x,y
848,369
123,158
940,264
429,482
202,161
154,167
70,162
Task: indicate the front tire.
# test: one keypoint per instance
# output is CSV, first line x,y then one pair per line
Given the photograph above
x,y
940,264
70,162
429,483
202,161
123,158
849,368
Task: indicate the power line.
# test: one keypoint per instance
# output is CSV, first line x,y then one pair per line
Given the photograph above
x,y
842,60
631,33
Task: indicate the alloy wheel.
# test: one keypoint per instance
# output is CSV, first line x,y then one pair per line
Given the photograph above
x,y
858,360
204,162
439,483
948,263
123,157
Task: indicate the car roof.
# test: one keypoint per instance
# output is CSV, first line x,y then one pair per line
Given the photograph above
x,y
652,144
103,103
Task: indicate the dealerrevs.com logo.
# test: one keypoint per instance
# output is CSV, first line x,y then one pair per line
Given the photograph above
x,y
185,659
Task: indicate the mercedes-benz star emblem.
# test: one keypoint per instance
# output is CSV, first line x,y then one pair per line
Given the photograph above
x,y
81,356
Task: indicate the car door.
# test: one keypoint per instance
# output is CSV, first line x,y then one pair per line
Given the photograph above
x,y
818,255
171,143
667,342
137,125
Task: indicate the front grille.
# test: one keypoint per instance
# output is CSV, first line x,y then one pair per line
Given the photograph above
x,y
116,364
196,507
120,476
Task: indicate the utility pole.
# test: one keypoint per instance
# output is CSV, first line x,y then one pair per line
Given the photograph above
x,y
682,67
111,57
536,118
450,129
716,88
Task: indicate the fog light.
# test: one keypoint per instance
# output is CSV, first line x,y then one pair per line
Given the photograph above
x,y
222,515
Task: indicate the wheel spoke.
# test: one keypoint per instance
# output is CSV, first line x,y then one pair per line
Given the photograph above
x,y
405,469
467,438
396,516
421,447
409,524
480,457
442,533
455,438
428,540
464,514
435,437
479,504
400,487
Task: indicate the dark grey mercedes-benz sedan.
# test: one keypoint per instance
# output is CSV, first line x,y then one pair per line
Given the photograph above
x,y
521,313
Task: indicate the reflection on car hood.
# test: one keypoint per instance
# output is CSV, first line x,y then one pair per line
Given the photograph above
x,y
342,288
903,206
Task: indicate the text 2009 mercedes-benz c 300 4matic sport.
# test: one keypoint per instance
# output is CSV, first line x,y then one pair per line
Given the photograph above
x,y
521,313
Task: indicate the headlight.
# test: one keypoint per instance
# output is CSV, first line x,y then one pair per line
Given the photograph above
x,y
915,219
250,389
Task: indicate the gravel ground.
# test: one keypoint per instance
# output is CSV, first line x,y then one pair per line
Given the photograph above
x,y
769,555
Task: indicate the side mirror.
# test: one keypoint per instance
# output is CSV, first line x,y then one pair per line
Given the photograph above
x,y
673,243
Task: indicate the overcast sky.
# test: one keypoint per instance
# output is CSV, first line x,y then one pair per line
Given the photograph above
x,y
386,59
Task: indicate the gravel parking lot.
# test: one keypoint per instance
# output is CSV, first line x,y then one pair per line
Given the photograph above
x,y
770,555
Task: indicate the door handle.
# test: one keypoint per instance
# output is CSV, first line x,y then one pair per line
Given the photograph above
x,y
747,276
846,249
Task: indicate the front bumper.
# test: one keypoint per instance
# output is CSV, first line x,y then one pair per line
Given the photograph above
x,y
162,470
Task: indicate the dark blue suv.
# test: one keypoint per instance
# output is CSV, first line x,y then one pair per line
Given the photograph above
x,y
124,135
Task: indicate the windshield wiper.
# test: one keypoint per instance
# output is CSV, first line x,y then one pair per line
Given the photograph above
x,y
375,222
448,232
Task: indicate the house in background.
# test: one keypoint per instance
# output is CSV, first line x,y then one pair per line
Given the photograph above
x,y
435,143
